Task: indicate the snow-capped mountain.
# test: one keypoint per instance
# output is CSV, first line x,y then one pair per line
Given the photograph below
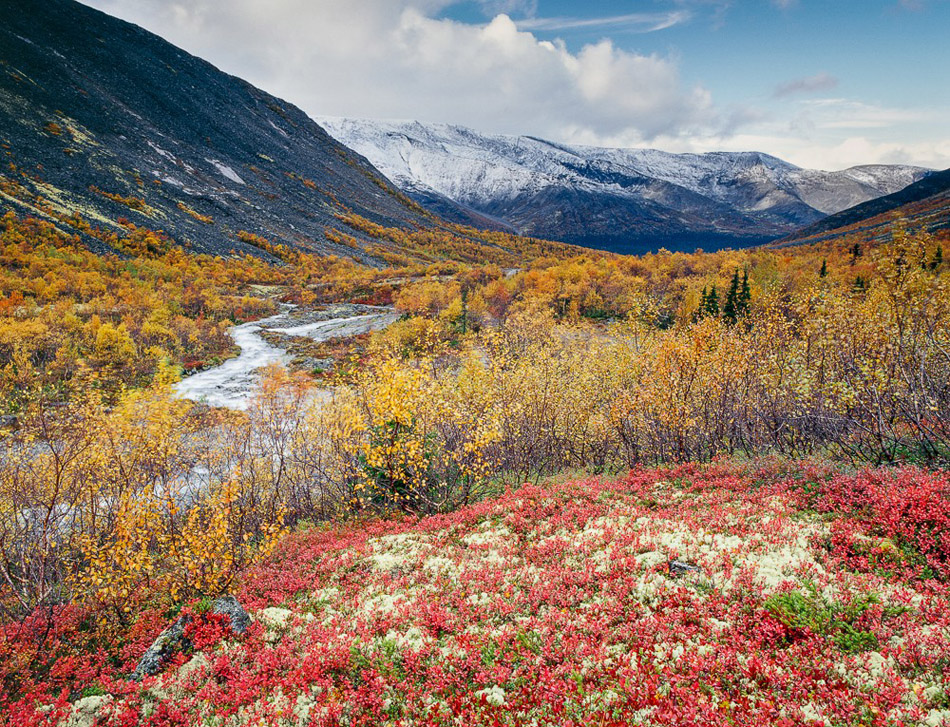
x,y
628,200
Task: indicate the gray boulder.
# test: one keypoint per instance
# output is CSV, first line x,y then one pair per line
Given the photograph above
x,y
238,617
172,638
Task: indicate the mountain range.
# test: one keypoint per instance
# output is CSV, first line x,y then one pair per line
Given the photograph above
x,y
102,119
626,200
922,205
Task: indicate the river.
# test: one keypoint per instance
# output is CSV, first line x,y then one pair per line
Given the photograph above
x,y
234,383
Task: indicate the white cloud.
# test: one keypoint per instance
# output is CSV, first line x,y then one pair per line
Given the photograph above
x,y
401,59
824,151
398,59
842,113
639,22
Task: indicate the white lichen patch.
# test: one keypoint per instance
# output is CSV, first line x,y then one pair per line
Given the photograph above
x,y
438,565
412,638
488,535
494,695
382,604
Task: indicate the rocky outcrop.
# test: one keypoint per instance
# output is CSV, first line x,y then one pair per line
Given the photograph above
x,y
173,638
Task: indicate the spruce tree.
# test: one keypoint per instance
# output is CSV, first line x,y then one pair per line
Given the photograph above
x,y
824,269
730,310
938,258
712,303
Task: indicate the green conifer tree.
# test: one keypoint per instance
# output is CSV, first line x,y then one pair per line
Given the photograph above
x,y
712,303
730,310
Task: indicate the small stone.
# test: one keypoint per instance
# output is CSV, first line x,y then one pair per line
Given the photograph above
x,y
681,568
166,642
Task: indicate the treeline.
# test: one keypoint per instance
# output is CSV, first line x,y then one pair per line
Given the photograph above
x,y
670,288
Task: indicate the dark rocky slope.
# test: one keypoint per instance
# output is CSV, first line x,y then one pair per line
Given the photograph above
x,y
102,117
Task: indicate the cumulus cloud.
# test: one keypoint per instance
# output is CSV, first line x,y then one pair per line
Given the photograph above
x,y
400,59
819,152
404,59
832,134
810,84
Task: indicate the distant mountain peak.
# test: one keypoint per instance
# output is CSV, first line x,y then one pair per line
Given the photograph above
x,y
924,204
629,200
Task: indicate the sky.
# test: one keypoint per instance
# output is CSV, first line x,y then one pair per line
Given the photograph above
x,y
825,84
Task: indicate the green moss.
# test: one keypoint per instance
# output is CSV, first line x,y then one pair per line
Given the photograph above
x,y
93,690
806,612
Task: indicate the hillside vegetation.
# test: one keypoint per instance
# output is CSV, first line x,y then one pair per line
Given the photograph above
x,y
924,204
120,504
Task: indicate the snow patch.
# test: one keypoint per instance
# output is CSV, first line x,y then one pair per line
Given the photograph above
x,y
225,171
158,150
279,130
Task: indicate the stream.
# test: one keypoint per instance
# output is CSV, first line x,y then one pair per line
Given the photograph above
x,y
234,383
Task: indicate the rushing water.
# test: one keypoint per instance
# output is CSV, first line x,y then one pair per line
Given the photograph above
x,y
234,383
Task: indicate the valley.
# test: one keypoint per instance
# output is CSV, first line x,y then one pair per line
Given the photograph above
x,y
330,422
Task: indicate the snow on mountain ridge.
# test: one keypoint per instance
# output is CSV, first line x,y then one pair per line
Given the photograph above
x,y
535,184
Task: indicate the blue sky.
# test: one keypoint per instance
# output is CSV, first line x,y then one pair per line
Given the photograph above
x,y
823,84
888,51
